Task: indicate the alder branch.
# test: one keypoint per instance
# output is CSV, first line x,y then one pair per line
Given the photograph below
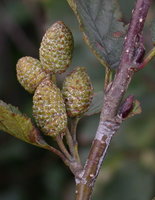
x,y
110,121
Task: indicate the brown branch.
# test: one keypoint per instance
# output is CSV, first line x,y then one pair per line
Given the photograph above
x,y
109,119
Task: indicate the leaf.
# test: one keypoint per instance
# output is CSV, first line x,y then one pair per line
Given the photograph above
x,y
102,29
153,31
96,104
136,109
13,122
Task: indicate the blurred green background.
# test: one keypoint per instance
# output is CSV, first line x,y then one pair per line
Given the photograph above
x,y
27,172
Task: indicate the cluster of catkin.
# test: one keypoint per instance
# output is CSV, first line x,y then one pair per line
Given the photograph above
x,y
52,106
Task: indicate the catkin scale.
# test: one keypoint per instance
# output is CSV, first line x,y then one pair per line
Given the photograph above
x,y
56,48
29,73
49,108
77,91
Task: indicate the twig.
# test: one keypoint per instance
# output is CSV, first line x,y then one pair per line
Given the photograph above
x,y
74,123
69,141
147,59
109,121
72,148
108,77
62,147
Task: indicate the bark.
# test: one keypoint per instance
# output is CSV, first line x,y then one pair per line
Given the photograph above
x,y
110,121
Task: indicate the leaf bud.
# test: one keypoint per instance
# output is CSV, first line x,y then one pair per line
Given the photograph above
x,y
126,107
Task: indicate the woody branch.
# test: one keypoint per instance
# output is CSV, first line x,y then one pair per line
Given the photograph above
x,y
110,121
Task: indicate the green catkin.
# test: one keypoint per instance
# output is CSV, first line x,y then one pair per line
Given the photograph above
x,y
56,48
49,108
29,73
77,92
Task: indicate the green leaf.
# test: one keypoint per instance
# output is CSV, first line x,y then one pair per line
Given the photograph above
x,y
13,122
136,109
102,29
96,104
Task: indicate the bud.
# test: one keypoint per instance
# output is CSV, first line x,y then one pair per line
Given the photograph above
x,y
49,108
127,106
56,48
77,92
29,73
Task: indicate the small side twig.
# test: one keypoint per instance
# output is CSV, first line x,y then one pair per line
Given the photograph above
x,y
147,59
62,147
108,77
74,123
69,141
72,148
73,131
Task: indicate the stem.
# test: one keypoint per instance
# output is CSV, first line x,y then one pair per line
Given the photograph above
x,y
109,120
69,141
62,147
85,183
74,124
108,77
147,59
72,148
